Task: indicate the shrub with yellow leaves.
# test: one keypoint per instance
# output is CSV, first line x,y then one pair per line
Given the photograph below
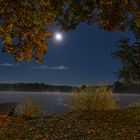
x,y
92,99
29,109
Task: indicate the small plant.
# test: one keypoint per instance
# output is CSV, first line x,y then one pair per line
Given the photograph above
x,y
29,109
91,99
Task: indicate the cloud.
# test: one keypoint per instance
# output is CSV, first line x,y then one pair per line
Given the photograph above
x,y
6,65
61,67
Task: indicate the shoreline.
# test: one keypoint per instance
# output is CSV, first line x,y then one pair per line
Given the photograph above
x,y
115,124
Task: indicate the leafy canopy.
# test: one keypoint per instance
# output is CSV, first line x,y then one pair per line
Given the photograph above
x,y
24,27
129,55
24,24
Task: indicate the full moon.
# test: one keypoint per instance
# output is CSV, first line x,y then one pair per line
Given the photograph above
x,y
58,36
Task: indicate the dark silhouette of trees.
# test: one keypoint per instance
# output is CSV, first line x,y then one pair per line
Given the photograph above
x,y
35,87
129,55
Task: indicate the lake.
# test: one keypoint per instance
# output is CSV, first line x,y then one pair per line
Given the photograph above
x,y
54,101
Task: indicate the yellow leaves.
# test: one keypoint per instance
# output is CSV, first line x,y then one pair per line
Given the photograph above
x,y
30,19
29,109
10,27
25,21
45,47
48,34
24,55
137,18
31,45
18,58
7,39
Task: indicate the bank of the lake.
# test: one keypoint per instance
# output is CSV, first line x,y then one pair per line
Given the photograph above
x,y
121,124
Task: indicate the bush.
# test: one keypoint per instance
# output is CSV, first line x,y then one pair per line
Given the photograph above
x,y
91,99
29,109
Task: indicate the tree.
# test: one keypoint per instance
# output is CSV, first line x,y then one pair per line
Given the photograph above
x,y
129,55
24,24
110,14
24,27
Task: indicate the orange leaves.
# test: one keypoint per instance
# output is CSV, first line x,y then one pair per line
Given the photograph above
x,y
25,21
137,18
7,39
38,60
1,29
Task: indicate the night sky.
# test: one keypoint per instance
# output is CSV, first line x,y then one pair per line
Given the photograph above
x,y
83,57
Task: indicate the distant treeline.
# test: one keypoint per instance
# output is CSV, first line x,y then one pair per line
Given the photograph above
x,y
117,87
35,87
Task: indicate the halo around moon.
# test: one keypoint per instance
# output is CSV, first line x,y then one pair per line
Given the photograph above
x,y
58,36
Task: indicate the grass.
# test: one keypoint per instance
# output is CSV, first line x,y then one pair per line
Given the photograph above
x,y
29,109
119,124
91,99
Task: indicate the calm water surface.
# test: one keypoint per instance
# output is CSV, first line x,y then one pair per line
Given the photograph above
x,y
54,101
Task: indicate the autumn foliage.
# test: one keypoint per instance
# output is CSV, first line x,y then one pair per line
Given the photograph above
x,y
23,28
92,99
25,24
29,109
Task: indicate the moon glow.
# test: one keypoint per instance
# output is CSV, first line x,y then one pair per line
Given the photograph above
x,y
58,36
